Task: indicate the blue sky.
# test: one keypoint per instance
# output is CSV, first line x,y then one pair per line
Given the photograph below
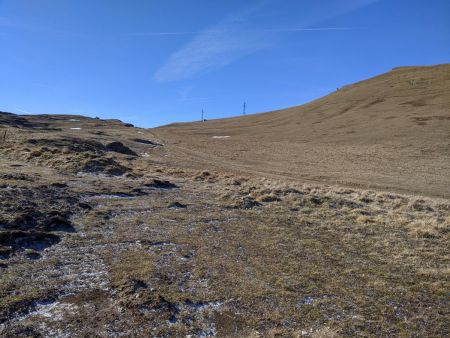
x,y
156,62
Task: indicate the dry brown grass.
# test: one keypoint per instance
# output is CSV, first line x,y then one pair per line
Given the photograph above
x,y
371,134
248,256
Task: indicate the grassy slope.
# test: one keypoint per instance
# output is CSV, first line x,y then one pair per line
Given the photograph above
x,y
391,132
248,256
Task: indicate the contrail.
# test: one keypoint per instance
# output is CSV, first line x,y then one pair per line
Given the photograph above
x,y
281,30
311,29
165,33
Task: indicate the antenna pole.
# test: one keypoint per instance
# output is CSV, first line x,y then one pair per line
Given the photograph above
x,y
203,115
244,108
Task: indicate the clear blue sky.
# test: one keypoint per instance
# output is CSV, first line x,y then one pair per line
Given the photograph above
x,y
155,62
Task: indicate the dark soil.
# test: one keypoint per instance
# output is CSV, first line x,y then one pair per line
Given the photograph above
x,y
107,166
160,184
34,218
120,148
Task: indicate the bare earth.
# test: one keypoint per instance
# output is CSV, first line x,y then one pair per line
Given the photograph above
x,y
326,220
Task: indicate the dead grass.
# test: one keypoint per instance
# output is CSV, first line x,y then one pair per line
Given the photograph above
x,y
247,257
379,134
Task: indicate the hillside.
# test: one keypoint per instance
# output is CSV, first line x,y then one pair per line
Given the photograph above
x,y
391,132
108,230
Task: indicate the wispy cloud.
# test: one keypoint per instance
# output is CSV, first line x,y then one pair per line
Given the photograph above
x,y
235,38
164,34
209,50
215,47
290,30
279,30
